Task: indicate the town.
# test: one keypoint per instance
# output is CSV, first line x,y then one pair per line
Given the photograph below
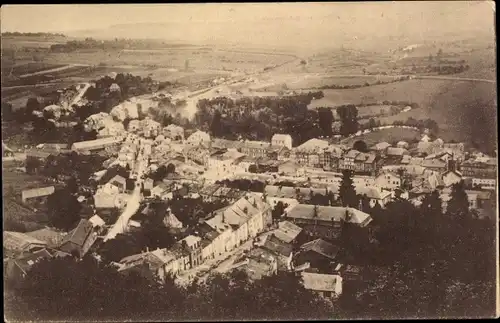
x,y
177,187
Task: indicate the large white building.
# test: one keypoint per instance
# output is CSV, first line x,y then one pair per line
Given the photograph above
x,y
282,140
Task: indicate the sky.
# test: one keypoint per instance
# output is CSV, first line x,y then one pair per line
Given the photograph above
x,y
263,22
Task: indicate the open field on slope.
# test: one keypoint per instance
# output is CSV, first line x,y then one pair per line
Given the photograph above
x,y
464,111
387,135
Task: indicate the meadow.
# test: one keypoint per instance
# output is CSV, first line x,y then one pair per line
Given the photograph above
x,y
392,135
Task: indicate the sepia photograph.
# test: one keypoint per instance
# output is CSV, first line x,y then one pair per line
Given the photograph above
x,y
249,161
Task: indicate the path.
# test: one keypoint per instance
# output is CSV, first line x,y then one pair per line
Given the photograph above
x,y
134,202
58,69
80,94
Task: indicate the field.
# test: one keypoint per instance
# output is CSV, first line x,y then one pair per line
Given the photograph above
x,y
387,135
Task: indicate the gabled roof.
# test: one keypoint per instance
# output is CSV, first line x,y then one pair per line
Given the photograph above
x,y
287,231
352,154
313,144
381,145
97,221
330,213
322,282
321,247
26,261
393,151
372,192
38,192
17,241
51,237
80,233
279,136
431,163
277,246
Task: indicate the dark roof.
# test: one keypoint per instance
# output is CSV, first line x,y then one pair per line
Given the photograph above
x,y
277,246
80,233
27,260
321,247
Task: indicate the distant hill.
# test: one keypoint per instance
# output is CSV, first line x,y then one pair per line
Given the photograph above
x,y
18,34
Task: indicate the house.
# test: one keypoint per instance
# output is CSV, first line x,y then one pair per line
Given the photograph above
x,y
171,221
191,245
221,144
309,152
282,140
219,191
17,242
325,221
80,239
396,152
485,183
287,232
158,263
254,148
279,153
457,150
359,162
479,168
402,144
199,137
173,132
98,144
37,193
239,222
319,253
298,193
406,159
116,184
282,251
434,165
257,263
327,286
380,148
18,268
388,181
51,237
103,200
148,184
162,189
223,163
375,195
97,221
451,177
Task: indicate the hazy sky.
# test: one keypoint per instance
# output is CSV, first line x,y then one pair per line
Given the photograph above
x,y
264,22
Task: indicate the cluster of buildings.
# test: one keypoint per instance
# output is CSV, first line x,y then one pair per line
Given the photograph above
x,y
304,239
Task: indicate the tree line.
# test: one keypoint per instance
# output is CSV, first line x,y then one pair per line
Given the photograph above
x,y
66,289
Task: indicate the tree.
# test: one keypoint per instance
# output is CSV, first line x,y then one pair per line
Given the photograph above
x,y
170,168
372,123
123,245
349,119
325,120
431,206
347,192
63,209
216,127
458,205
278,211
160,173
361,146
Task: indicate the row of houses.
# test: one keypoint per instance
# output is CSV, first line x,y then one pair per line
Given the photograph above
x,y
227,229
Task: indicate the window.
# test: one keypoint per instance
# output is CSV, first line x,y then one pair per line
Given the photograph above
x,y
327,294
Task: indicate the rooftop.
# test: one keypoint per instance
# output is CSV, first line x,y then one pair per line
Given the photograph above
x,y
322,282
321,247
287,231
329,213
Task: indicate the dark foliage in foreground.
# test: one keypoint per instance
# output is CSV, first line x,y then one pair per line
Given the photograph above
x,y
66,289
